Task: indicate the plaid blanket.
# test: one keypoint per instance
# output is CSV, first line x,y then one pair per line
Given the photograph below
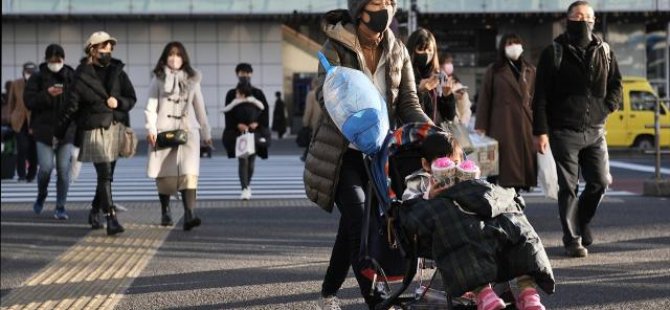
x,y
477,234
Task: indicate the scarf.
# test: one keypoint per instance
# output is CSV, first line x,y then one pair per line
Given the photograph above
x,y
176,84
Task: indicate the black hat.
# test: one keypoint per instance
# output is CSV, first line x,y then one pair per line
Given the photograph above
x,y
243,67
54,50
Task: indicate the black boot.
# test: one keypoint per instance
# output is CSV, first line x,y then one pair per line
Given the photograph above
x,y
94,219
113,226
190,219
166,215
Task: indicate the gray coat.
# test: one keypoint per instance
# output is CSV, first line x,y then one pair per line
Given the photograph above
x,y
185,159
328,145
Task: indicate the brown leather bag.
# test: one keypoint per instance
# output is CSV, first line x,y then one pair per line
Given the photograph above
x,y
128,143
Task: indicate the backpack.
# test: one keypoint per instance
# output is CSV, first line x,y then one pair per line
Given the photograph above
x,y
558,55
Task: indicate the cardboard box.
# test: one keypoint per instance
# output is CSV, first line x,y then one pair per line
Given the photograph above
x,y
485,153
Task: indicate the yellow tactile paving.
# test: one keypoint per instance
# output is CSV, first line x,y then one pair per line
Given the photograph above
x,y
92,274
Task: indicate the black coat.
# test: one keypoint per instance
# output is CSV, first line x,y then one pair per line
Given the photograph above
x,y
87,104
279,117
45,108
230,132
477,234
580,94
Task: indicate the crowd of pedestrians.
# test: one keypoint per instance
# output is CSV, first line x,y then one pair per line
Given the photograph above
x,y
560,106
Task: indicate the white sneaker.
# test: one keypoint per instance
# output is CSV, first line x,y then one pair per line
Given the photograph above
x,y
246,194
329,303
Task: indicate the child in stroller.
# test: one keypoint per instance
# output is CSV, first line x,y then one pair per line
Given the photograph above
x,y
426,183
475,232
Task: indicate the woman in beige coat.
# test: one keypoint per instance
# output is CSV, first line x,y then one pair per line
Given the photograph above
x,y
176,102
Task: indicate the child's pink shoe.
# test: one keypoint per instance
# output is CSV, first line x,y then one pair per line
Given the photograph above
x,y
488,300
529,299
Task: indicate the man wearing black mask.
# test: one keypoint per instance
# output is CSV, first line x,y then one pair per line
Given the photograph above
x,y
260,128
578,85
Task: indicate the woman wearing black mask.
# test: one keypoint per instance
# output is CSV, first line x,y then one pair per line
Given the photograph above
x,y
334,174
101,97
423,52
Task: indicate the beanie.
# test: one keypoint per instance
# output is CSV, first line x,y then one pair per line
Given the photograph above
x,y
54,50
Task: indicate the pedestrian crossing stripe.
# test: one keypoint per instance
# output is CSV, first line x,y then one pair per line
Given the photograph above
x,y
279,177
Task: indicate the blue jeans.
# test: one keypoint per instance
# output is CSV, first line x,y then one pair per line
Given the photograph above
x,y
45,158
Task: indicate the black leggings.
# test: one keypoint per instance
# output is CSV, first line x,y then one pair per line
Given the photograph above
x,y
246,170
103,192
350,201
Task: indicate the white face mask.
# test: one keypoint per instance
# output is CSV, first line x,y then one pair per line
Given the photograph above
x,y
175,62
55,66
513,51
448,68
26,76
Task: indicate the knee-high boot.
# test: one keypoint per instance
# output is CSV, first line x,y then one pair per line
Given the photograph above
x,y
190,219
94,217
166,214
113,225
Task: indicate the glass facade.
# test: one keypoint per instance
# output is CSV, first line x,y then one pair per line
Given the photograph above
x,y
265,7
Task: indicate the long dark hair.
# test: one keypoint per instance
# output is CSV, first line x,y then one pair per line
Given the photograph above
x,y
422,39
162,61
501,59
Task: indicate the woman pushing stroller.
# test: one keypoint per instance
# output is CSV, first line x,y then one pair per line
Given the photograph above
x,y
457,217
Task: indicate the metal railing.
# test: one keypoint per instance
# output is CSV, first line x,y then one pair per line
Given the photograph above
x,y
657,135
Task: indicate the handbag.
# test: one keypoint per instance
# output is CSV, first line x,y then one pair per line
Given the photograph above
x,y
304,136
245,145
171,138
128,145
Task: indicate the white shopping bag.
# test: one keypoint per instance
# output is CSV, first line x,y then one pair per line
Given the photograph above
x,y
547,177
245,145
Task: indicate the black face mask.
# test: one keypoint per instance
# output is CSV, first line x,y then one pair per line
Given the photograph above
x,y
580,32
422,65
244,79
104,59
379,20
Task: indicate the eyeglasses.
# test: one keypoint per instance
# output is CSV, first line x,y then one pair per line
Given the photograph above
x,y
582,17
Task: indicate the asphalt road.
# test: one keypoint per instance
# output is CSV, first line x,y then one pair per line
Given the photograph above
x,y
272,254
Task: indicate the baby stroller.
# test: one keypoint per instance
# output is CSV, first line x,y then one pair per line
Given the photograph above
x,y
399,157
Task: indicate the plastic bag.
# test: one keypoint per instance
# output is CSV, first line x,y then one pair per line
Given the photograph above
x,y
356,106
547,177
245,145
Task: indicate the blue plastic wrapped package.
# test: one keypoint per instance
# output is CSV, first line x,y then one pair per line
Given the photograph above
x,y
356,106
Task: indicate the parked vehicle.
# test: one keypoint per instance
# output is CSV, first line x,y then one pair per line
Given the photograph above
x,y
626,127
